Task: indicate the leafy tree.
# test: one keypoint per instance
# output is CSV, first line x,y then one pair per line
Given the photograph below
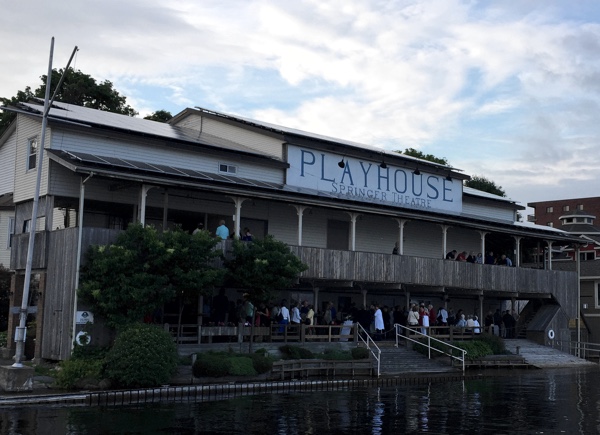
x,y
261,267
159,116
78,88
421,155
144,269
481,183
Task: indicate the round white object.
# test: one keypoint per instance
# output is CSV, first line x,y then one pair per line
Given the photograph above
x,y
551,334
83,338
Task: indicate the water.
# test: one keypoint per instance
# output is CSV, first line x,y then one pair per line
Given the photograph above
x,y
529,402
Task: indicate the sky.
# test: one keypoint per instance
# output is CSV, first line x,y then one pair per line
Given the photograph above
x,y
508,90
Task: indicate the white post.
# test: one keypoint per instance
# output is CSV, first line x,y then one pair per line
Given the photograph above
x,y
549,254
353,217
517,250
300,212
401,223
144,194
483,234
444,240
238,211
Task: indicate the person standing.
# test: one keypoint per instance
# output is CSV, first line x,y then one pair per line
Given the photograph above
x,y
220,307
199,228
222,231
378,319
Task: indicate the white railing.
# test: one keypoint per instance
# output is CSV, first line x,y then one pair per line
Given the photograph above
x,y
429,338
585,350
370,345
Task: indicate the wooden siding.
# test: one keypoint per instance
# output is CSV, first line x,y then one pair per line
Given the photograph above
x,y
18,254
7,164
60,286
24,187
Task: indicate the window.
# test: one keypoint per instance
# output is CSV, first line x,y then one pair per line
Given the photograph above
x,y
568,220
587,256
579,206
11,231
550,224
549,209
228,169
26,226
565,208
32,149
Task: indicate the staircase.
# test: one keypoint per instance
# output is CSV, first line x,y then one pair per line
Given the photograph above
x,y
403,361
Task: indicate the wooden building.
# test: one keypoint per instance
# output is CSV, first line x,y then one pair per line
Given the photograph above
x,y
341,206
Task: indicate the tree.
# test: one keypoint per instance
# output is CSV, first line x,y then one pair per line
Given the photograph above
x,y
78,88
421,155
262,266
144,269
159,116
481,183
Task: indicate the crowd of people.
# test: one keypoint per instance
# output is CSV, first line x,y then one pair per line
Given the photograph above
x,y
489,258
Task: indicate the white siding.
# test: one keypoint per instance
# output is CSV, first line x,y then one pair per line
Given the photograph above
x,y
25,180
487,211
376,233
4,250
259,142
7,164
423,239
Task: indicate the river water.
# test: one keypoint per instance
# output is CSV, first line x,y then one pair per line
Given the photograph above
x,y
523,402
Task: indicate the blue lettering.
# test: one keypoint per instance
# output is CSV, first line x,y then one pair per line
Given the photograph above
x,y
366,173
415,185
323,170
303,162
334,187
347,171
447,189
396,181
437,194
386,178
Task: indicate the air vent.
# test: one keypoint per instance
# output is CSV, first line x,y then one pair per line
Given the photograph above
x,y
227,169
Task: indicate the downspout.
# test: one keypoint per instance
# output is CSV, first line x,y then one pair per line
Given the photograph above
x,y
78,259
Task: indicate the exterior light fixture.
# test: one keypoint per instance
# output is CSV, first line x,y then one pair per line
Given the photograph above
x,y
448,177
383,165
341,163
417,172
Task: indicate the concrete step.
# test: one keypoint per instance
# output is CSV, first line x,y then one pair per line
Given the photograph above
x,y
543,356
400,360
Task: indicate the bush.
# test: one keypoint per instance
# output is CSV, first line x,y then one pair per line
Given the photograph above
x,y
337,355
210,364
360,353
494,342
240,366
475,349
3,338
262,363
89,352
143,356
73,370
295,352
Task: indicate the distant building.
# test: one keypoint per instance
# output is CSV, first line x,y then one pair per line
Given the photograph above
x,y
577,217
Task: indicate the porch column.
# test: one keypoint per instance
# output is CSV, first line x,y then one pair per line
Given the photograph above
x,y
549,254
407,300
517,250
364,295
353,217
483,234
300,212
143,194
166,210
401,223
481,319
444,240
236,218
316,297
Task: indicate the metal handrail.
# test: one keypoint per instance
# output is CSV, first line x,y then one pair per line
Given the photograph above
x,y
408,330
583,348
368,342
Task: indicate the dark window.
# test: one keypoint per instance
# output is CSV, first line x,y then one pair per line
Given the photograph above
x,y
32,149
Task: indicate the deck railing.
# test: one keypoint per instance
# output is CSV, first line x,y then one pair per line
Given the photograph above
x,y
365,337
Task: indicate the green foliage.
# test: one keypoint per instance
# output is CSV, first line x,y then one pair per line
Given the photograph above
x,y
296,352
3,338
481,183
219,364
142,356
144,269
262,267
159,116
240,366
495,343
475,349
89,352
72,370
337,355
360,353
77,88
421,155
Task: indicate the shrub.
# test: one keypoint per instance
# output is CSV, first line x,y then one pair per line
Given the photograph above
x,y
336,355
72,370
3,338
240,366
89,352
143,356
494,342
262,363
475,348
210,364
360,353
295,352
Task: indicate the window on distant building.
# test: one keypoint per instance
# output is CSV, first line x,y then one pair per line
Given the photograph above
x,y
11,231
228,169
587,256
550,224
568,220
32,149
579,206
565,208
549,209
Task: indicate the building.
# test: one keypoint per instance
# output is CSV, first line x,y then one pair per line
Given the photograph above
x,y
577,217
341,206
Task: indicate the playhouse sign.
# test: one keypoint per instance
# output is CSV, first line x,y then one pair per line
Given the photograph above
x,y
367,181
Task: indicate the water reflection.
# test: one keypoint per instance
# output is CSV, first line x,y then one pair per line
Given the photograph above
x,y
559,401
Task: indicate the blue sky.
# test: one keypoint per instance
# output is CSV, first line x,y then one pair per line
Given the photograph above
x,y
506,89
